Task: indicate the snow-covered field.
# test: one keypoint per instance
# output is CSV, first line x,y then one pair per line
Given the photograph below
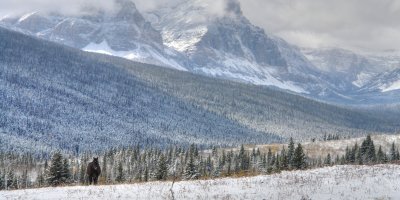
x,y
339,182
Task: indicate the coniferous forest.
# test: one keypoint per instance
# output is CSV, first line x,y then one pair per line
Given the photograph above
x,y
176,163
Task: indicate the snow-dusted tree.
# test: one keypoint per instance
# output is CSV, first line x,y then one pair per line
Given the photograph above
x,y
290,153
243,159
146,174
277,165
368,150
11,180
191,171
162,169
393,155
120,173
55,175
40,179
24,179
66,171
1,181
381,156
328,160
284,159
299,158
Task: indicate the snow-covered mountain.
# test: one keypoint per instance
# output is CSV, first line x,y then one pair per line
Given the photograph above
x,y
355,69
123,32
56,97
363,77
191,36
228,46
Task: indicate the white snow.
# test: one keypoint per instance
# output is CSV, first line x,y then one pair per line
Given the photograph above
x,y
394,86
339,182
186,41
239,69
141,54
24,17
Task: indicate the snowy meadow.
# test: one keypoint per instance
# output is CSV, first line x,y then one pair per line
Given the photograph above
x,y
338,182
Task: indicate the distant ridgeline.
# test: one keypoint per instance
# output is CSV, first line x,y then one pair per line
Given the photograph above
x,y
57,98
131,165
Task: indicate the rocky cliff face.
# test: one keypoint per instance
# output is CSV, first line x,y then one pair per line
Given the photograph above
x,y
123,32
192,35
228,46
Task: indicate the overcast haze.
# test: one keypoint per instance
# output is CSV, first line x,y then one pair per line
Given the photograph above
x,y
364,25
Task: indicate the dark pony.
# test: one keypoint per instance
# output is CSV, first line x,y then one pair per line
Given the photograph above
x,y
93,171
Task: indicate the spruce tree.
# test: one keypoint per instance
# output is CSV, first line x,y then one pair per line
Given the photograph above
x,y
380,156
56,170
277,166
368,150
66,172
299,158
162,169
40,179
11,180
284,162
1,181
146,174
290,153
393,156
191,169
120,173
243,160
328,160
24,179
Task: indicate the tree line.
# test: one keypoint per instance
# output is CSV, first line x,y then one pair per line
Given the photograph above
x,y
131,165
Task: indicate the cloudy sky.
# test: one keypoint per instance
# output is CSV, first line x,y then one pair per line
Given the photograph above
x,y
361,25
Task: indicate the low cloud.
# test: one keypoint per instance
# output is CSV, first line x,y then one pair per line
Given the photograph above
x,y
365,25
70,7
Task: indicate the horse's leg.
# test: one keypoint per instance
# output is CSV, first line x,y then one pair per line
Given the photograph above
x,y
90,180
95,178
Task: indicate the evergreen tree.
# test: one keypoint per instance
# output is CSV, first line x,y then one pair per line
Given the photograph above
x,y
120,173
40,179
353,153
269,157
397,154
162,169
290,154
277,166
66,172
380,156
299,158
328,160
191,169
24,179
368,150
11,180
1,181
243,160
393,156
284,162
146,174
55,174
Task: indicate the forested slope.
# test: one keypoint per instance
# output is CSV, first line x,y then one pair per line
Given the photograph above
x,y
55,97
